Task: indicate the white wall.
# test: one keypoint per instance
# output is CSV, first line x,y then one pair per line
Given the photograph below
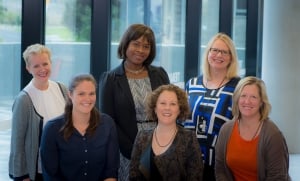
x,y
281,66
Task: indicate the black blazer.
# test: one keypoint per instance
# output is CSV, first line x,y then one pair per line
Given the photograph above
x,y
116,100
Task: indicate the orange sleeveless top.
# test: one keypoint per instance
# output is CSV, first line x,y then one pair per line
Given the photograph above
x,y
241,156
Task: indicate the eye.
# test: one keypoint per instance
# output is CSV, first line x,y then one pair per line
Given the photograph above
x,y
243,96
214,50
146,47
174,104
224,52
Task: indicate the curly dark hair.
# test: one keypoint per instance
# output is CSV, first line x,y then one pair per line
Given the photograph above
x,y
181,96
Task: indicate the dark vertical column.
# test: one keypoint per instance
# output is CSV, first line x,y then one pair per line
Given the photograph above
x,y
226,17
254,38
33,30
100,38
192,41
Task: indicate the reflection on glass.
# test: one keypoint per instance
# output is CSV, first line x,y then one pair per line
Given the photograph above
x,y
167,19
10,62
210,22
239,32
68,25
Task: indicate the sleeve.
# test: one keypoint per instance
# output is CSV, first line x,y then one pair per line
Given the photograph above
x,y
49,153
194,165
63,90
276,158
164,76
112,153
106,94
106,104
134,173
20,118
220,152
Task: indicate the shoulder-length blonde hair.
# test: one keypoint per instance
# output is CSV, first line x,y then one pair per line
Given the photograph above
x,y
232,70
265,107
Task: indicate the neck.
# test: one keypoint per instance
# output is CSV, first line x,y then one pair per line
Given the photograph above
x,y
165,129
249,122
40,85
218,74
133,67
80,119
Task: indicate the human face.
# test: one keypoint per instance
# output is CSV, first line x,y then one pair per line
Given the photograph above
x,y
167,107
137,51
219,60
250,102
83,97
39,66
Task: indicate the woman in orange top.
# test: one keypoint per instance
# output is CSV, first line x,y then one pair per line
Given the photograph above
x,y
251,147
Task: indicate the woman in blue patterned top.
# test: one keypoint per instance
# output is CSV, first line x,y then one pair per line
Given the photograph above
x,y
210,96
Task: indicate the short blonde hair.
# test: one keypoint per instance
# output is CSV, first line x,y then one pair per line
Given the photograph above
x,y
35,49
232,70
264,109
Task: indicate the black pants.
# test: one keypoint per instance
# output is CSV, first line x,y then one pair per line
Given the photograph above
x,y
209,173
39,177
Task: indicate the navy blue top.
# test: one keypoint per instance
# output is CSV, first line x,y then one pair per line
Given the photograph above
x,y
81,158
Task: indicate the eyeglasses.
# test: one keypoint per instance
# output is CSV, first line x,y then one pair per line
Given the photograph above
x,y
215,51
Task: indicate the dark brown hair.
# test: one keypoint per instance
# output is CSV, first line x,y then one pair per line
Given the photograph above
x,y
94,121
134,32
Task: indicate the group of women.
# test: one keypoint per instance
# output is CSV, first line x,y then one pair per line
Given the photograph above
x,y
218,128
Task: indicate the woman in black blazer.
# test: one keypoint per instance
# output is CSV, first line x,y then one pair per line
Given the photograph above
x,y
124,89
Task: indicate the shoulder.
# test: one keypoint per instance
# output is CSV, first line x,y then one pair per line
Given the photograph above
x,y
106,119
55,123
158,75
113,74
22,98
270,128
185,136
196,80
184,132
233,81
227,126
60,87
156,70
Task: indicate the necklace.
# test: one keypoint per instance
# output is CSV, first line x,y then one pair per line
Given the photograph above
x,y
172,138
218,85
134,71
209,95
257,129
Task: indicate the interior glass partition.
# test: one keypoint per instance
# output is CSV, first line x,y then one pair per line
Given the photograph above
x,y
68,27
10,62
209,23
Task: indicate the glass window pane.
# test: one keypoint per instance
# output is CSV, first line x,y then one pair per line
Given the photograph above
x,y
10,62
210,22
68,25
239,32
167,19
